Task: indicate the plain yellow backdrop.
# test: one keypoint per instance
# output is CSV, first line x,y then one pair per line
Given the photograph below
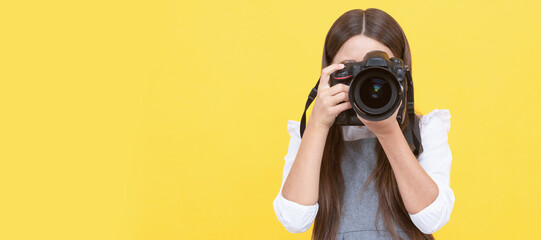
x,y
167,119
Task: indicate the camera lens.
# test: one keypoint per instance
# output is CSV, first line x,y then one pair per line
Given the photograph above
x,y
375,92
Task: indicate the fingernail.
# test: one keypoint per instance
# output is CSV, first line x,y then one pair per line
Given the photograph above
x,y
341,65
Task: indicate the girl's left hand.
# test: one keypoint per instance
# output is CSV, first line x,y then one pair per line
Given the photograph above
x,y
383,127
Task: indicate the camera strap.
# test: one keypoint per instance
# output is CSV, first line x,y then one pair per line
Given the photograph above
x,y
309,101
411,133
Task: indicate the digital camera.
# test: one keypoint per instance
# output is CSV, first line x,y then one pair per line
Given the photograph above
x,y
377,87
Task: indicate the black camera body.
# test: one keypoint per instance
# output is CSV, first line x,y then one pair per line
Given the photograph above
x,y
377,87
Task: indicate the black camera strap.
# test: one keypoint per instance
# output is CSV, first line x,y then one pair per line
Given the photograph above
x,y
309,101
411,133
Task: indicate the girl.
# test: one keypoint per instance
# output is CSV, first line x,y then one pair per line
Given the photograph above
x,y
364,182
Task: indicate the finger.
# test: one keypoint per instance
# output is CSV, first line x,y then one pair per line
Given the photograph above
x,y
340,108
338,88
338,98
326,72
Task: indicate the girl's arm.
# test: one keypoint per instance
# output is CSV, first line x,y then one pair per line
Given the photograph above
x,y
302,183
296,218
416,187
424,183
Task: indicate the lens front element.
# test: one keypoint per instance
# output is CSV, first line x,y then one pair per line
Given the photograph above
x,y
375,92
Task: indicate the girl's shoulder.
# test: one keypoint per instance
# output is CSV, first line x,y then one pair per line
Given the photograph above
x,y
293,128
441,117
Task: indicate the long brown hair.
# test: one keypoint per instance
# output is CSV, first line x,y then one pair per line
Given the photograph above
x,y
376,24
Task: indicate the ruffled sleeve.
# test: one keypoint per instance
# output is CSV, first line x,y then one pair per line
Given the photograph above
x,y
436,161
295,217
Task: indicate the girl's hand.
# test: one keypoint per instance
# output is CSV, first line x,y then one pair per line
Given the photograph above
x,y
329,99
383,127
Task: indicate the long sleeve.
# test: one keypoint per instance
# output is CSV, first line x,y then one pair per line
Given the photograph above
x,y
436,161
295,217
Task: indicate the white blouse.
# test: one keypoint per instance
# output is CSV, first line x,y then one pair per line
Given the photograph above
x,y
435,160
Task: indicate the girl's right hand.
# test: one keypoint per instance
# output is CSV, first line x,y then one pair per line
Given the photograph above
x,y
329,99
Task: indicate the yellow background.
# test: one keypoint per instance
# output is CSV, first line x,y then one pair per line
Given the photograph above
x,y
167,119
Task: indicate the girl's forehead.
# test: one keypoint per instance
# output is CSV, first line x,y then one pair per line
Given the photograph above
x,y
355,48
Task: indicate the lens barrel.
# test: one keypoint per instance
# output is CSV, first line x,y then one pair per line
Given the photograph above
x,y
375,93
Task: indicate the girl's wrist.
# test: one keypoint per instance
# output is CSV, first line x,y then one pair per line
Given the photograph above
x,y
317,127
390,132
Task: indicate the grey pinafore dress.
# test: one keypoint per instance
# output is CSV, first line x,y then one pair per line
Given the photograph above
x,y
357,219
